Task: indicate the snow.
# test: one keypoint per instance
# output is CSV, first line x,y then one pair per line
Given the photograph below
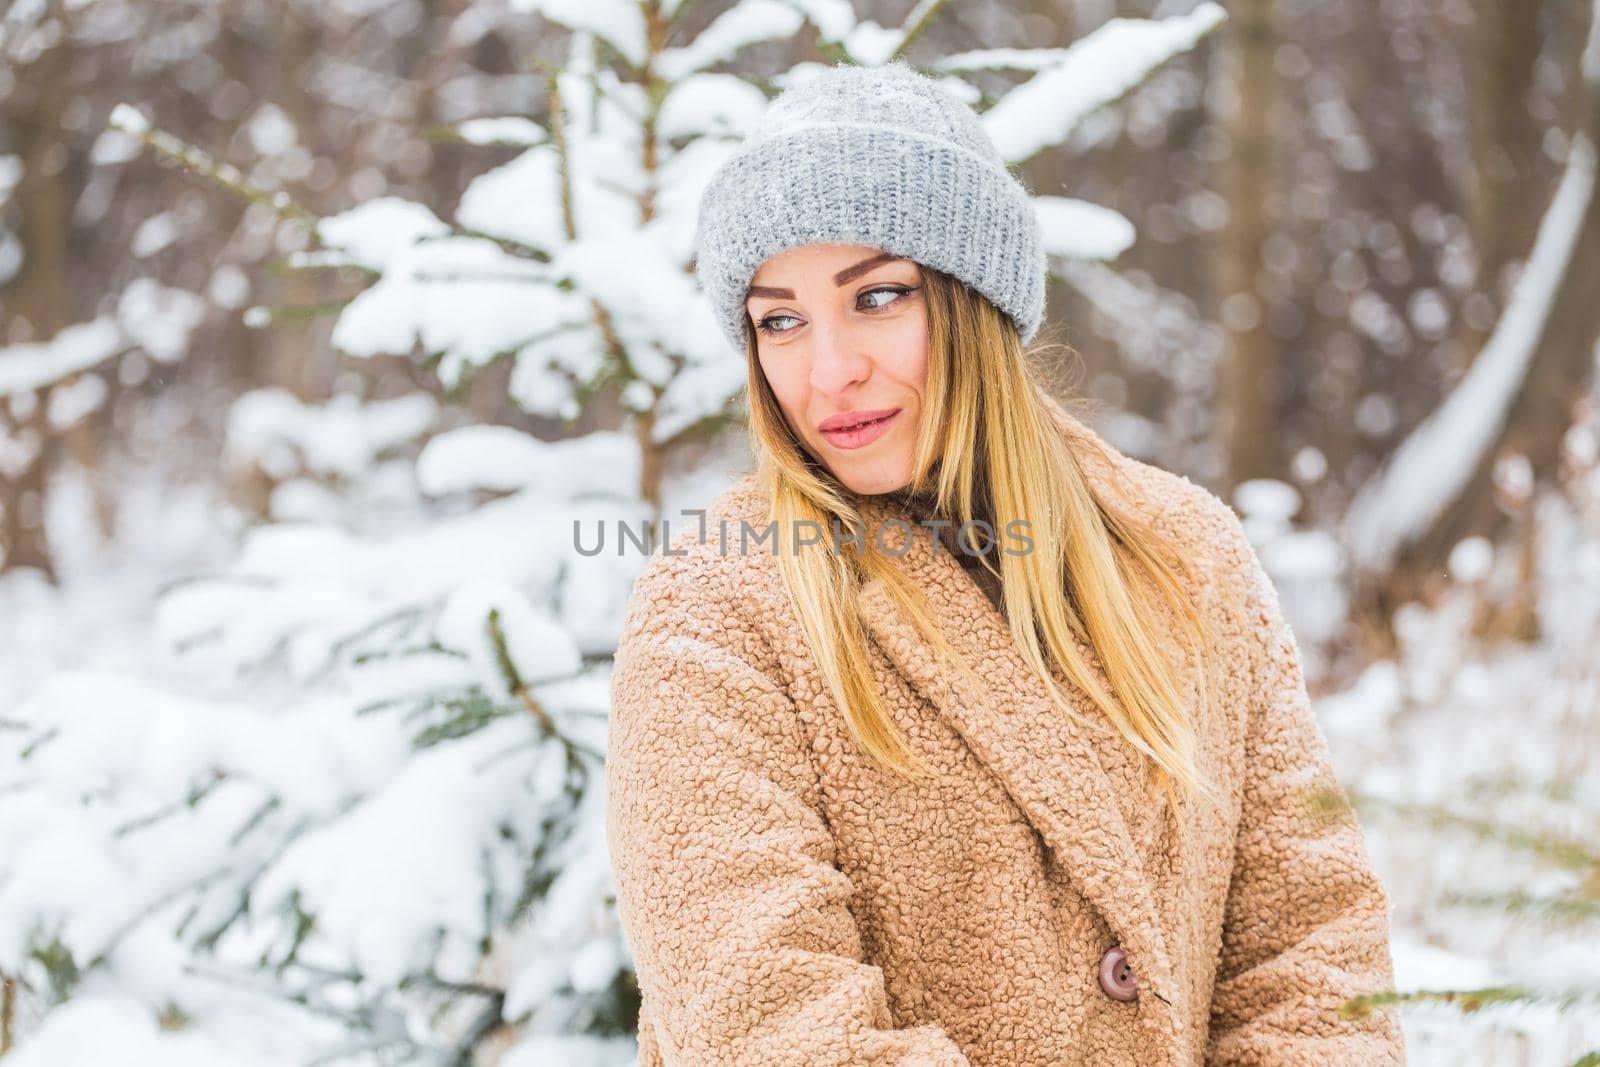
x,y
229,286
638,396
129,119
1097,69
154,233
102,800
306,783
10,175
866,41
710,104
377,232
1590,64
503,458
158,319
873,45
530,641
747,22
116,1029
1429,468
833,19
654,307
270,130
619,22
1267,499
505,130
35,365
1424,755
682,177
546,373
704,389
71,402
10,256
470,301
1034,59
274,430
456,295
302,723
422,836
1470,559
541,1050
1156,329
1077,229
1307,566
520,199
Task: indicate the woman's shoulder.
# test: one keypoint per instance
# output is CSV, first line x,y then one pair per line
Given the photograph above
x,y
1207,532
1170,499
1202,526
698,584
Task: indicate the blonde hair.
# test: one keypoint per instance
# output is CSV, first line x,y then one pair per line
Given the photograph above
x,y
991,446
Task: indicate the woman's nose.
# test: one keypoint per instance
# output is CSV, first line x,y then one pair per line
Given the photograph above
x,y
837,360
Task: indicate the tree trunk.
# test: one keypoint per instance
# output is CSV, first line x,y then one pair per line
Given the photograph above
x,y
289,346
38,301
1505,142
1252,373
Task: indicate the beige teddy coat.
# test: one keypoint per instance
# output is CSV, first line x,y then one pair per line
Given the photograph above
x,y
788,901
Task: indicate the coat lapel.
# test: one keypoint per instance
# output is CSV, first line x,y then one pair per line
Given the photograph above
x,y
1050,765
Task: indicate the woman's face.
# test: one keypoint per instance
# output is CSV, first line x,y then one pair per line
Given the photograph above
x,y
842,336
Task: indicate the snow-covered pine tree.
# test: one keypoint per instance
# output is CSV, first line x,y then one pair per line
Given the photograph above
x,y
375,835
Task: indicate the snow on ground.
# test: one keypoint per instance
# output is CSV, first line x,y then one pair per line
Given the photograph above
x,y
1507,736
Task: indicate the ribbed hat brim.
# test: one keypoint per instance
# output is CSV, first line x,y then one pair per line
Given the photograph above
x,y
911,195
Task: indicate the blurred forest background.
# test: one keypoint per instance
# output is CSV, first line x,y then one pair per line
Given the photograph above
x,y
322,323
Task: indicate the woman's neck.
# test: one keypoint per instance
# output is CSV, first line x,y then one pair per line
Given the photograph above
x,y
919,504
922,506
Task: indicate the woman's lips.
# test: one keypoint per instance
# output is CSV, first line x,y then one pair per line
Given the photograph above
x,y
861,435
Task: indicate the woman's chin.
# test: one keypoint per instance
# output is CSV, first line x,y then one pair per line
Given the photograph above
x,y
872,483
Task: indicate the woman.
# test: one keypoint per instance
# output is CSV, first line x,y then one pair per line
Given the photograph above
x,y
911,792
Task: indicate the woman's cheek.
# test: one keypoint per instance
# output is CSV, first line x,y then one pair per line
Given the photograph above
x,y
791,380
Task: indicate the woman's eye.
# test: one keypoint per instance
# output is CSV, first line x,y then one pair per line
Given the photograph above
x,y
896,291
764,325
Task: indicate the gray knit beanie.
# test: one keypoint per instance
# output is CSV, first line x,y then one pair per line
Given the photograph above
x,y
877,156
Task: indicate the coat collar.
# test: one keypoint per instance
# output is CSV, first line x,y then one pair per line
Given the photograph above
x,y
1076,782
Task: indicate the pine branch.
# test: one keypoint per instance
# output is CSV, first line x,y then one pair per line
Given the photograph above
x,y
1552,911
260,316
616,353
203,164
196,794
1571,853
1507,783
1471,1000
8,1010
915,23
473,712
59,967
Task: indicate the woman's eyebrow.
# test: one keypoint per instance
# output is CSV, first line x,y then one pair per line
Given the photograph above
x,y
838,279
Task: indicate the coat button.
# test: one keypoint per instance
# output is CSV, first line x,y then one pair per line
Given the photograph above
x,y
1117,979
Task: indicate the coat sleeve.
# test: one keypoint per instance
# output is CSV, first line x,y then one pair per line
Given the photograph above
x,y
735,913
1306,924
